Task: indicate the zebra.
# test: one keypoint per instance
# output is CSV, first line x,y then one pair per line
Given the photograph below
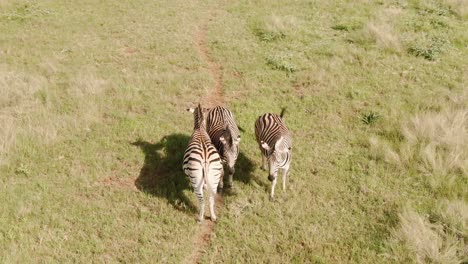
x,y
202,163
275,142
224,134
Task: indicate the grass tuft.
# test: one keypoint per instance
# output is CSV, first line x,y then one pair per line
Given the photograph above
x,y
439,141
7,135
369,118
454,216
282,62
382,30
275,27
424,241
25,11
459,7
429,51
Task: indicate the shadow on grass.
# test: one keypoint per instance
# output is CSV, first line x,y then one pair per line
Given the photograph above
x,y
244,168
162,174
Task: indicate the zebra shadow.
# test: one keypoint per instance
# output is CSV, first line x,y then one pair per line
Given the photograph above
x,y
162,174
244,168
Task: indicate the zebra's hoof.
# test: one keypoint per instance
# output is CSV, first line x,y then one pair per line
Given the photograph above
x,y
199,221
213,218
272,199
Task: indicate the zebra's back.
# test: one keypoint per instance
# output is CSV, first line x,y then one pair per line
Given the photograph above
x,y
218,119
201,155
269,128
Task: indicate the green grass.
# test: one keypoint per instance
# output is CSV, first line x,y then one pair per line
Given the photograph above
x,y
94,126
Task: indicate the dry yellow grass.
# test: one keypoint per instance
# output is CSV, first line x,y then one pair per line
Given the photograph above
x,y
7,135
460,7
426,241
382,31
440,140
434,143
454,215
18,89
87,82
276,23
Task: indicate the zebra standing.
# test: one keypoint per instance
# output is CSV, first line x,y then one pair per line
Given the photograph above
x,y
224,134
275,142
202,163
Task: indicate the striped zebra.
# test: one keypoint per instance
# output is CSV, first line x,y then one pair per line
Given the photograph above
x,y
202,163
275,142
224,134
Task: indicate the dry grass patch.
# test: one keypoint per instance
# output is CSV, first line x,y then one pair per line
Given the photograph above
x,y
382,31
436,144
460,7
7,135
454,215
18,88
275,27
424,242
87,82
440,141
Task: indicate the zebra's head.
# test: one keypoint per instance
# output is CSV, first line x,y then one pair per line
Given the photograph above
x,y
230,148
278,156
198,116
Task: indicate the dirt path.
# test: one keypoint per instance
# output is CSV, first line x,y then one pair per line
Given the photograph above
x,y
214,97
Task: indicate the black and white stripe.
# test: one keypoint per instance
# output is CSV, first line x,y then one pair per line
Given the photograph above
x,y
275,142
202,163
224,134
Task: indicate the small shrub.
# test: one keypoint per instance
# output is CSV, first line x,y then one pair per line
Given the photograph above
x,y
344,27
369,118
431,51
281,62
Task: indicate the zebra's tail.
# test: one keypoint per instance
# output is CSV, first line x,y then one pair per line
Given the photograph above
x,y
199,116
207,180
283,110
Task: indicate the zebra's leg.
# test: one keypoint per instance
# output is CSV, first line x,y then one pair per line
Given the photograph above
x,y
221,182
264,161
273,184
285,175
212,203
201,201
231,174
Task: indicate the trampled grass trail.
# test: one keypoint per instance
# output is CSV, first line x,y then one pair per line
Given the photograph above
x,y
213,98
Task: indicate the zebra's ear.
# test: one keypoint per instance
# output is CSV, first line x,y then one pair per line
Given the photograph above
x,y
223,140
265,145
191,110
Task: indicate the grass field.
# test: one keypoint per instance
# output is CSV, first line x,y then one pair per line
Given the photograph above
x,y
93,128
